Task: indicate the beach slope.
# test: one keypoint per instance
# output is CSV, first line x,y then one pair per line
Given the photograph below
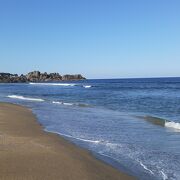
x,y
29,153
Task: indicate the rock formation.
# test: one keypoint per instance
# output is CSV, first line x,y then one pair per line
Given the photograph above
x,y
37,76
72,77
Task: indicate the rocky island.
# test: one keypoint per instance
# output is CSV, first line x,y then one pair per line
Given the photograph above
x,y
37,76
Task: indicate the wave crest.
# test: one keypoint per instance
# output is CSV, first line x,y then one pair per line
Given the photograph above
x,y
57,102
25,98
161,122
70,104
87,86
52,84
172,125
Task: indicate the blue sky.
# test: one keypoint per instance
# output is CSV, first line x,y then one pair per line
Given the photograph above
x,y
98,38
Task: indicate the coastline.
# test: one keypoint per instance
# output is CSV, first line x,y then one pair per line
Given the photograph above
x,y
29,152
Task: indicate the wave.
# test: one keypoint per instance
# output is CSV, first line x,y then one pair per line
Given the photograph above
x,y
161,122
111,145
57,102
25,98
153,120
82,105
52,84
145,167
70,104
172,125
88,140
73,137
63,103
165,177
87,86
60,84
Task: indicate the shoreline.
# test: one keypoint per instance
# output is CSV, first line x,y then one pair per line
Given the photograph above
x,y
29,152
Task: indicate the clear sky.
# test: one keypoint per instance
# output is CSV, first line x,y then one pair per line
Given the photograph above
x,y
98,38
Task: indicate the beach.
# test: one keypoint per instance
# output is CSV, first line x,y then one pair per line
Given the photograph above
x,y
28,152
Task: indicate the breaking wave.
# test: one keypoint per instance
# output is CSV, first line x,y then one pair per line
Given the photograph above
x,y
60,84
57,102
172,125
78,138
87,86
52,84
70,104
25,98
62,103
161,122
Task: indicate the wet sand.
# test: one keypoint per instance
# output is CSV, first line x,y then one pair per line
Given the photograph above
x,y
29,153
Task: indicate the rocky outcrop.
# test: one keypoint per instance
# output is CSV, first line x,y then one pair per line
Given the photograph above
x,y
11,78
72,77
37,76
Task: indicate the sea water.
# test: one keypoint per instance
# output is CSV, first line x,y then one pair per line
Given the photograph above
x,y
133,124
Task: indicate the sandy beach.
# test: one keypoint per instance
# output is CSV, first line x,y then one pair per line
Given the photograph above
x,y
27,152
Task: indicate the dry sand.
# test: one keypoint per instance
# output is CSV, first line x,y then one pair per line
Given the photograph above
x,y
29,153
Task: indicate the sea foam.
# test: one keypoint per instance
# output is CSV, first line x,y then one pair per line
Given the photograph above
x,y
87,86
62,103
171,124
57,102
78,138
70,104
25,98
165,177
52,84
146,168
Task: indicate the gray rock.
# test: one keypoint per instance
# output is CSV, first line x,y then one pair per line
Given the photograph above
x,y
68,77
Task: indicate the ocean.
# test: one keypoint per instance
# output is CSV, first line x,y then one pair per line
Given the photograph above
x,y
132,124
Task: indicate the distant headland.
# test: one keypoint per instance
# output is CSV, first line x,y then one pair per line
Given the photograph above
x,y
37,76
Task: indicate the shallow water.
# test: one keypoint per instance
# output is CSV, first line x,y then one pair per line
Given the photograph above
x,y
134,124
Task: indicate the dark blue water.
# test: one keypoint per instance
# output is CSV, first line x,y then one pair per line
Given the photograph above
x,y
133,124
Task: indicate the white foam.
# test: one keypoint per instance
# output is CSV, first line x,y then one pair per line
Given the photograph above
x,y
88,140
172,125
145,167
68,104
64,135
165,177
25,98
87,86
57,102
52,84
62,103
81,139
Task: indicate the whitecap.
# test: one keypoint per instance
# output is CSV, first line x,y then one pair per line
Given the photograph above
x,y
57,102
87,86
62,103
161,122
171,124
70,104
25,98
52,84
67,104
